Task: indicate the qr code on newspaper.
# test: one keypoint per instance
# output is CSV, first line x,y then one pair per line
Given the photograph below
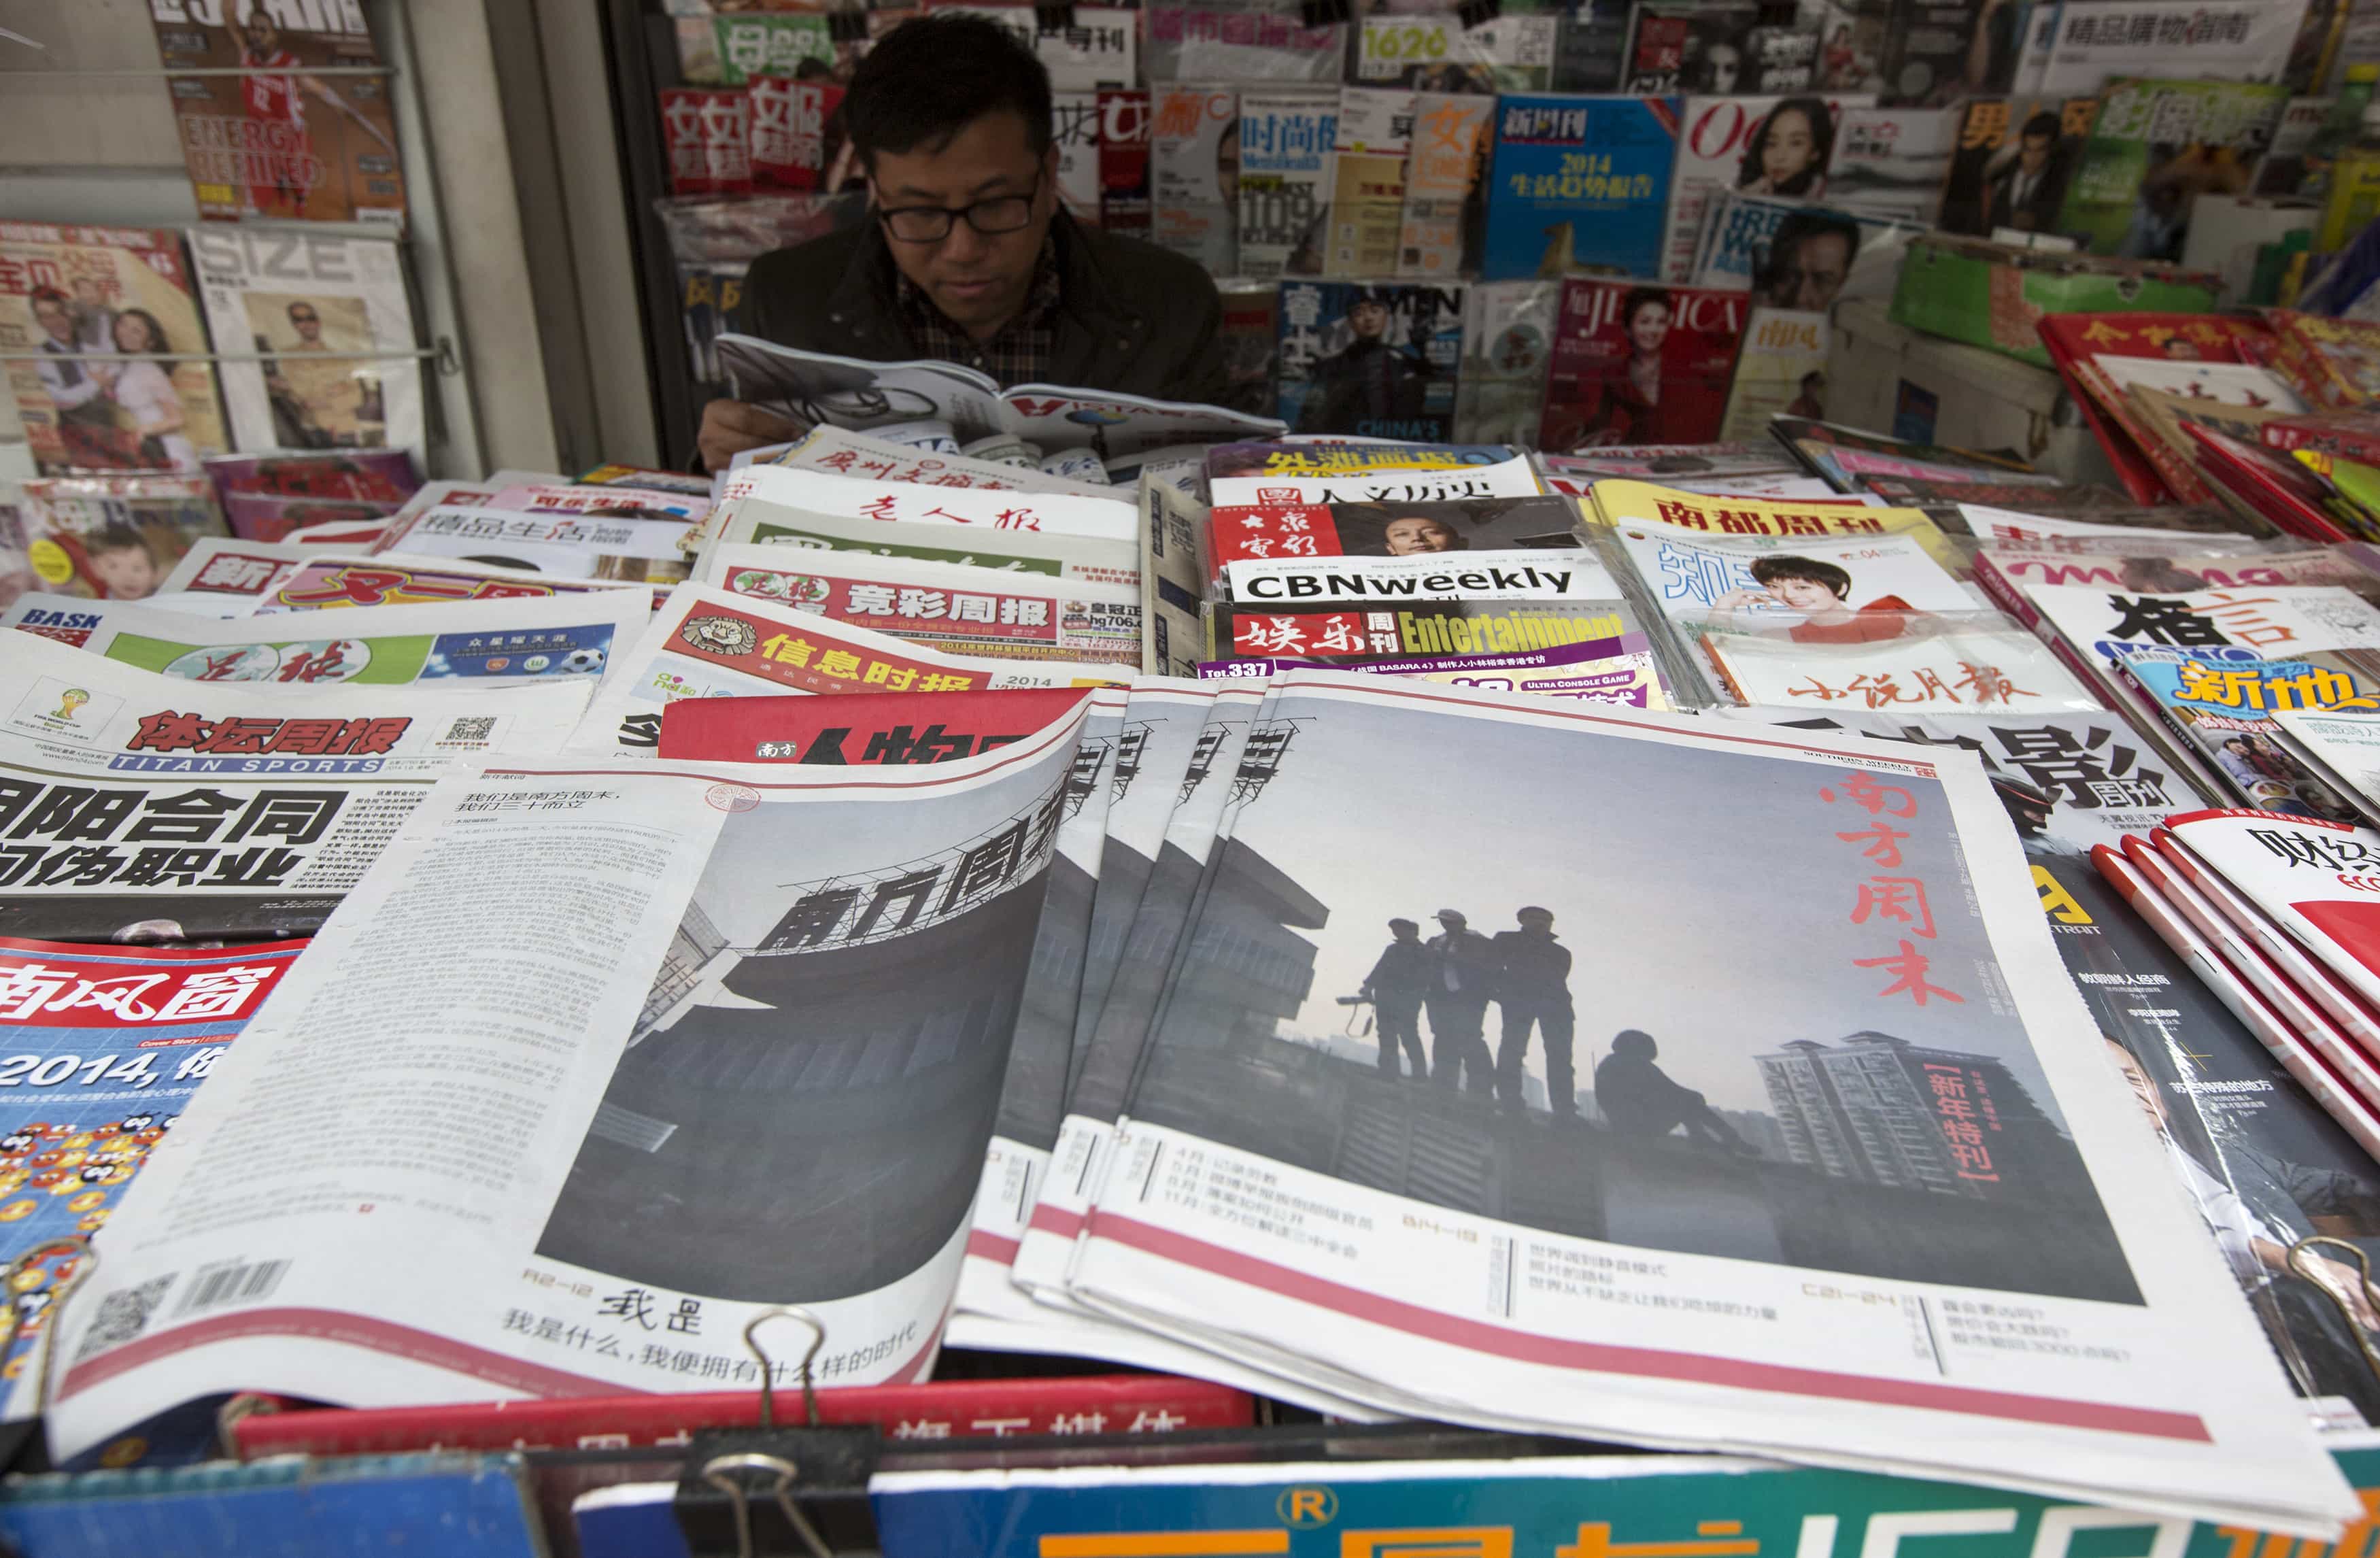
x,y
123,1315
477,728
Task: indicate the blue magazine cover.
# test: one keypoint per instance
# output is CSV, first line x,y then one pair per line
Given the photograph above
x,y
1579,184
1374,361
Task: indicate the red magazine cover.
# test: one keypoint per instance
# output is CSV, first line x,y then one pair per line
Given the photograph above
x,y
2270,484
2353,436
861,728
2335,363
2150,470
793,128
1124,163
1639,364
707,139
945,1410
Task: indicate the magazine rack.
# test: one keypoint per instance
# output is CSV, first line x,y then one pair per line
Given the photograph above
x,y
452,444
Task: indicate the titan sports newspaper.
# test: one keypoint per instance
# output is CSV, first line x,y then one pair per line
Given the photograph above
x,y
752,523
712,643
1775,1282
589,1158
952,607
575,637
136,806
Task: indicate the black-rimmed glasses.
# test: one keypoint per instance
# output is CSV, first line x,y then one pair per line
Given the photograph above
x,y
931,224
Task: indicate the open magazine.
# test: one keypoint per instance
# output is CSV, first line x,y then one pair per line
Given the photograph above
x,y
618,1112
817,387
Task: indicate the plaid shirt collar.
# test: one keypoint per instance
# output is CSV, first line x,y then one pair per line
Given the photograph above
x,y
1018,355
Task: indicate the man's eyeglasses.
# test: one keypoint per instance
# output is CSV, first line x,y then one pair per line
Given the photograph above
x,y
931,224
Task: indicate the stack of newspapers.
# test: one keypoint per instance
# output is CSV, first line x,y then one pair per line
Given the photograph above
x,y
1393,1045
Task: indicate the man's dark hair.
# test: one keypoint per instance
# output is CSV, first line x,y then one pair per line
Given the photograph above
x,y
1767,570
50,295
931,77
2044,123
1800,225
1799,228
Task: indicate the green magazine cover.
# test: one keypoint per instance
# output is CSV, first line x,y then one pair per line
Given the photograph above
x,y
2156,147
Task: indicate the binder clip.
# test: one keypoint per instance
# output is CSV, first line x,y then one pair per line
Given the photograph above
x,y
1058,18
1323,13
847,26
1474,13
799,1492
2355,1328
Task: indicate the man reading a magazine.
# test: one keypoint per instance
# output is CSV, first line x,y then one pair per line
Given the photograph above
x,y
966,255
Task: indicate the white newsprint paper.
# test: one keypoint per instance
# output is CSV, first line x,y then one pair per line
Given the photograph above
x,y
600,1062
141,808
1807,1148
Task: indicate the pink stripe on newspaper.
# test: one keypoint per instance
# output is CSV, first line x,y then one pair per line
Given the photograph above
x,y
336,1325
1649,1362
1056,1220
399,1340
991,1246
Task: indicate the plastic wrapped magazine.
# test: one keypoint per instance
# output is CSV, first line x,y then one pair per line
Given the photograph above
x,y
1507,333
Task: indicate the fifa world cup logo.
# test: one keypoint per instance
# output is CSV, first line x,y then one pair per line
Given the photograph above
x,y
69,700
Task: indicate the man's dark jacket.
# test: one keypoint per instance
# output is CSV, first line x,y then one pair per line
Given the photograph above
x,y
1132,317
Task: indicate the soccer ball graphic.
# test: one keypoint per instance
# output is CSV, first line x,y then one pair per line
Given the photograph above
x,y
586,662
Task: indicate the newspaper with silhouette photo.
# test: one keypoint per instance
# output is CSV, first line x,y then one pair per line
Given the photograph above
x,y
818,388
1883,1213
599,1151
136,806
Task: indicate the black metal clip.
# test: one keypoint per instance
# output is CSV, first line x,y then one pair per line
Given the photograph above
x,y
1058,18
847,26
733,1481
1474,13
1324,13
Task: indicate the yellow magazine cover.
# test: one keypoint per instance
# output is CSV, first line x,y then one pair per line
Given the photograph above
x,y
1642,503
